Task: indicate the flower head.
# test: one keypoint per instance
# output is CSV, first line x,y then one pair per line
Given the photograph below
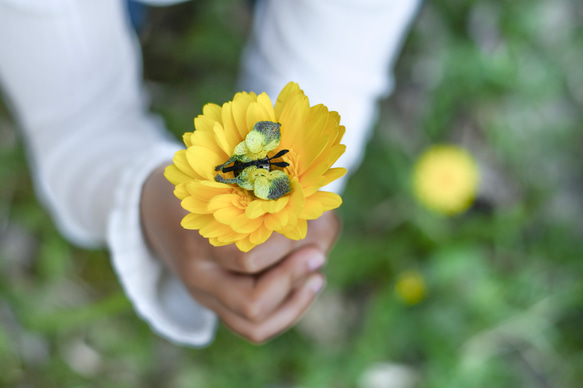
x,y
410,287
446,179
281,156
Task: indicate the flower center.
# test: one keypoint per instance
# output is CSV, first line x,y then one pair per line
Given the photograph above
x,y
245,198
294,163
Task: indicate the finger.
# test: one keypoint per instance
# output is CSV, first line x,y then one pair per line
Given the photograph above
x,y
275,285
257,259
280,320
254,298
322,233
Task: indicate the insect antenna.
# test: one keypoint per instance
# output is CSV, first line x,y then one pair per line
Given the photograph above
x,y
279,164
279,154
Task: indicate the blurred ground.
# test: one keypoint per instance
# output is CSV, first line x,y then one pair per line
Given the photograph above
x,y
503,300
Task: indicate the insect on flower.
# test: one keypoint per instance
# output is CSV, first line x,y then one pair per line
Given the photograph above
x,y
252,168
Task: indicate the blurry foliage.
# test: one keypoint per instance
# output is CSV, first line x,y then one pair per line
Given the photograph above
x,y
504,297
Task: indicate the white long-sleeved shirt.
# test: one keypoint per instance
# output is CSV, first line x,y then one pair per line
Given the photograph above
x,y
71,72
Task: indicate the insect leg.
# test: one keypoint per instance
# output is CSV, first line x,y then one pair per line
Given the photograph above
x,y
220,179
232,159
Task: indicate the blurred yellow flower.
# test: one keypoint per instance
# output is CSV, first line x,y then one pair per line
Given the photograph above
x,y
410,287
445,179
226,212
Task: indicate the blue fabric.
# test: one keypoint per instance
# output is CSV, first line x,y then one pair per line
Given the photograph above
x,y
138,14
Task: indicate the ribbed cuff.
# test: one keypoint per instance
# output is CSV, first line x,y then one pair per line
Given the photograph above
x,y
158,296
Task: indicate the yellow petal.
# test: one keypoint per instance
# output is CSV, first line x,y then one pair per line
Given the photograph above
x,y
297,198
175,176
239,107
204,139
204,123
276,221
257,112
339,135
275,206
193,205
292,119
244,245
222,201
216,186
205,192
186,138
227,214
181,162
320,202
311,187
265,102
322,164
214,229
180,191
311,152
242,224
221,140
255,209
292,218
203,161
212,111
329,200
312,210
312,142
229,125
230,236
260,235
196,221
297,232
333,174
294,207
329,176
215,242
333,128
291,89
259,207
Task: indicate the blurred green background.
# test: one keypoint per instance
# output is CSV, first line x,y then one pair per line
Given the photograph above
x,y
503,302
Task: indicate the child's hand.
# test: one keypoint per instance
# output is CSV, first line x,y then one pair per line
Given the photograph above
x,y
257,294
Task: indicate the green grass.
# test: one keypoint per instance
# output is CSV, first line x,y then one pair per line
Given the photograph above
x,y
504,302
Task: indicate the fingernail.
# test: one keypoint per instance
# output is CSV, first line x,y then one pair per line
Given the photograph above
x,y
316,283
316,261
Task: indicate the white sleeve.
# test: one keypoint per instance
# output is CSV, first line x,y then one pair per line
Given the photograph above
x,y
70,71
341,52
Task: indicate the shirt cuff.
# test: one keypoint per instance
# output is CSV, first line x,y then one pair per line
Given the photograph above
x,y
158,296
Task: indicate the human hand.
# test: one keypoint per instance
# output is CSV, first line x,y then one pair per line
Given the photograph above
x,y
258,294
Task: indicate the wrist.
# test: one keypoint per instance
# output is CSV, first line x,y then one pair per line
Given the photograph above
x,y
160,213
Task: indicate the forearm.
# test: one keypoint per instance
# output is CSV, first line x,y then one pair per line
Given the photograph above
x,y
71,74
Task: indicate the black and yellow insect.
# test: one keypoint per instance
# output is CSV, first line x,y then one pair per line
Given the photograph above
x,y
252,168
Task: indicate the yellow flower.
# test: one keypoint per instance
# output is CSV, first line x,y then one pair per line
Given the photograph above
x,y
226,213
410,287
446,179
